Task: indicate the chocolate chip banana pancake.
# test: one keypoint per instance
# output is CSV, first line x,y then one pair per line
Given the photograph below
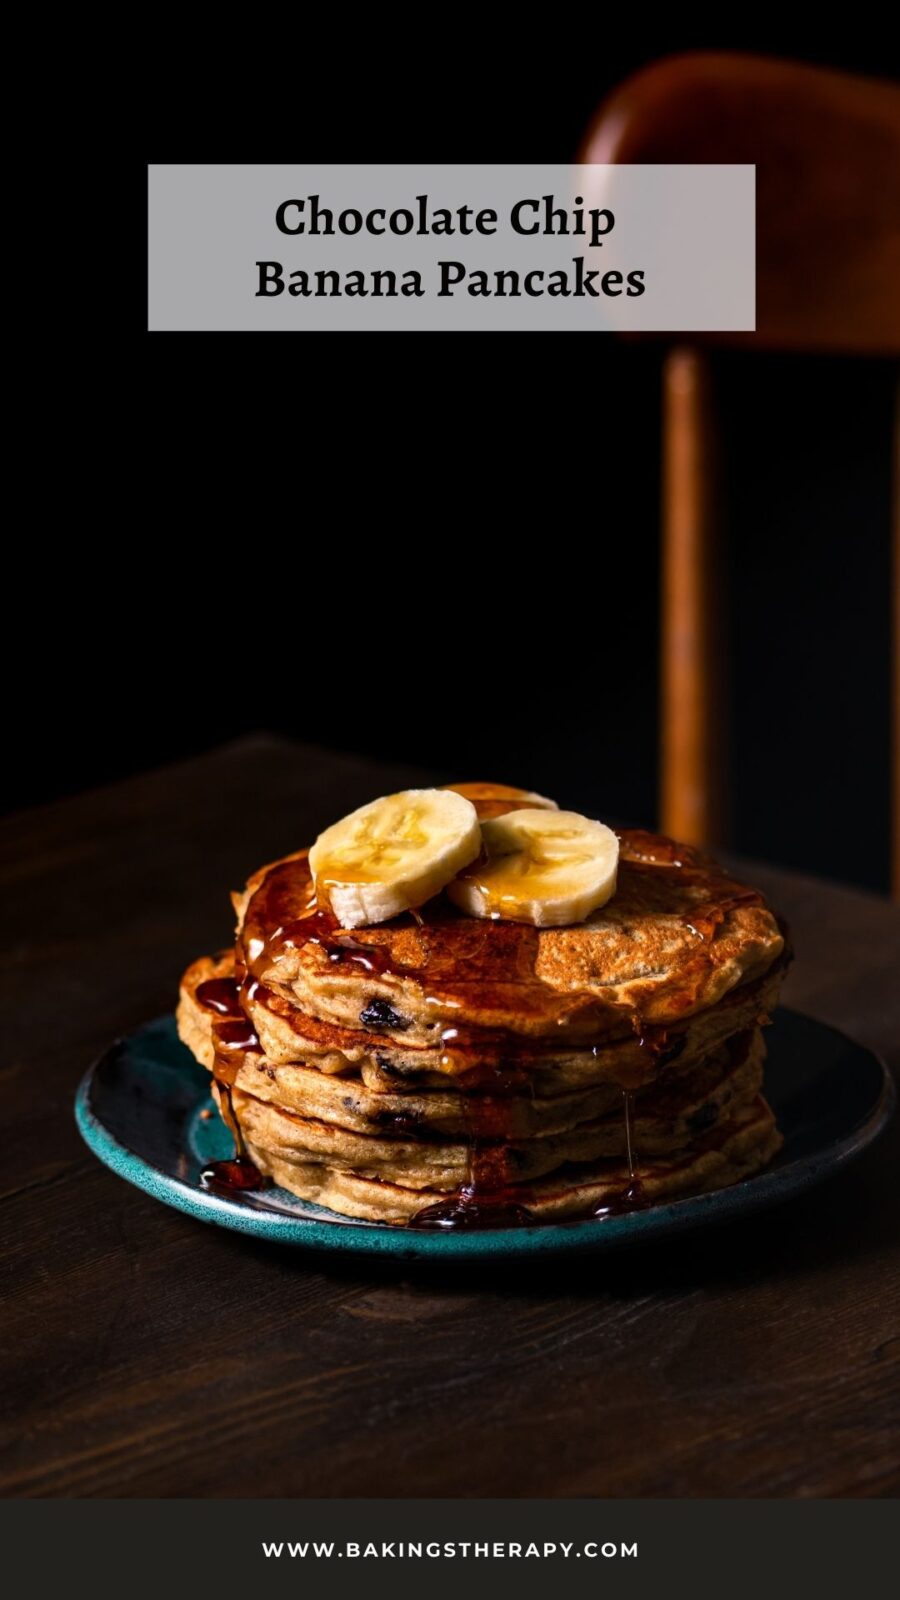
x,y
466,1003
678,935
743,1144
421,1158
285,1034
667,1110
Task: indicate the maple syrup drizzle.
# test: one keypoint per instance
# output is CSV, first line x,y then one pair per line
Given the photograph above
x,y
489,1198
633,1194
629,1151
467,1210
219,995
233,1035
237,1175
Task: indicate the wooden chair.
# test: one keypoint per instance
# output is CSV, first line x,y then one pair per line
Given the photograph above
x,y
827,152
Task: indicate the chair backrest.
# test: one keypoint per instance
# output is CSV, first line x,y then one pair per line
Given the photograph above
x,y
826,147
827,152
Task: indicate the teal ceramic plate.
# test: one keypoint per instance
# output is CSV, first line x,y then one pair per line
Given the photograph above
x,y
141,1109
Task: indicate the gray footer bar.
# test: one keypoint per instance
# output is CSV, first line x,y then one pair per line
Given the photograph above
x,y
429,1549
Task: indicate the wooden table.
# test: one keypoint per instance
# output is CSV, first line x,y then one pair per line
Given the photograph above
x,y
147,1355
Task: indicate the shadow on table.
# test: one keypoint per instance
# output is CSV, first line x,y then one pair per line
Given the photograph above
x,y
844,1218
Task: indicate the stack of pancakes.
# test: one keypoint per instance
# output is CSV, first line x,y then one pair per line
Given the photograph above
x,y
441,1070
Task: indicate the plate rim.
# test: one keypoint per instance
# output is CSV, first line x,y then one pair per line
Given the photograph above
x,y
755,1193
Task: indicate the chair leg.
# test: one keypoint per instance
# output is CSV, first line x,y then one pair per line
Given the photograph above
x,y
895,684
692,797
895,668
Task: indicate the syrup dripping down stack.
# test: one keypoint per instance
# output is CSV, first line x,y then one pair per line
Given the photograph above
x,y
445,1071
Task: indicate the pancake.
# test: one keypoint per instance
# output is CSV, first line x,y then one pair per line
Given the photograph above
x,y
497,799
678,935
745,1143
444,1064
286,1034
421,1158
684,1096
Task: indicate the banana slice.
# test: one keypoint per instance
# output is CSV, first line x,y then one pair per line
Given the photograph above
x,y
543,867
393,854
494,799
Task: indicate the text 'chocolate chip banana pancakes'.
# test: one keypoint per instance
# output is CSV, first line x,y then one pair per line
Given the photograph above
x,y
464,1007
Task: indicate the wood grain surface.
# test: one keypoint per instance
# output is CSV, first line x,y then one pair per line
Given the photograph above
x,y
145,1354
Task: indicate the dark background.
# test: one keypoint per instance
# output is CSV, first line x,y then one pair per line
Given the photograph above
x,y
445,549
